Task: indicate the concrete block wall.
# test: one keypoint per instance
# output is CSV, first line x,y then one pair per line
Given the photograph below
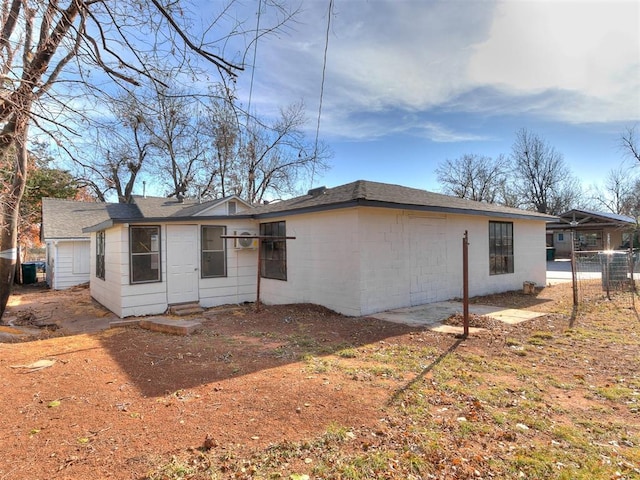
x,y
322,262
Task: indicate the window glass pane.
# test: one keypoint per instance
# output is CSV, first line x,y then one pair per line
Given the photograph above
x,y
501,248
100,248
144,239
213,256
211,238
145,254
145,268
273,251
213,264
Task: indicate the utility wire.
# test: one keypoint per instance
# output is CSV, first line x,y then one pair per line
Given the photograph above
x,y
255,54
324,68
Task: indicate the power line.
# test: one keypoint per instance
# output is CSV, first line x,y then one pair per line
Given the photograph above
x,y
324,68
255,53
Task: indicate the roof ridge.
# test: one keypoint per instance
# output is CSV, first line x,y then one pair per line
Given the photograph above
x,y
72,200
360,189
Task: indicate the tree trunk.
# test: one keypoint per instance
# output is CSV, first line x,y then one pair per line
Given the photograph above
x,y
9,213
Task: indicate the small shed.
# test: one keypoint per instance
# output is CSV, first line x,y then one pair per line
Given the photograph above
x,y
67,246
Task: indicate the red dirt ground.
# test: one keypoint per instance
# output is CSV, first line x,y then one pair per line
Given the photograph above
x,y
116,403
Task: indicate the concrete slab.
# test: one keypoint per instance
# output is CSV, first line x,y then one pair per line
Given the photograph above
x,y
421,315
124,322
170,325
432,315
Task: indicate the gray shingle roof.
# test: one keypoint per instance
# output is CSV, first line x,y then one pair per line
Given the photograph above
x,y
362,192
65,219
359,193
160,207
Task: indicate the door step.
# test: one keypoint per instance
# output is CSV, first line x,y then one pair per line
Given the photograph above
x,y
184,309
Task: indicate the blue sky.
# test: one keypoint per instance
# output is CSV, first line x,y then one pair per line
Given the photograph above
x,y
410,83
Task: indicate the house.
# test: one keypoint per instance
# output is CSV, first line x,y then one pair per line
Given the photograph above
x,y
591,231
67,246
359,248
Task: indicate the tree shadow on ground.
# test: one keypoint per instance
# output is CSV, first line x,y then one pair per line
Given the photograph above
x,y
239,343
425,371
512,299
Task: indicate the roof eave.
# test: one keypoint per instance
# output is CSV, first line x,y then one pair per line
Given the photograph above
x,y
404,206
155,220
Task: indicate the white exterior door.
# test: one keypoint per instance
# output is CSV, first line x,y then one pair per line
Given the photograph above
x,y
182,263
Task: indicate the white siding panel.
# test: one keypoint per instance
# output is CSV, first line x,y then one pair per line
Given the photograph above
x,y
67,263
108,292
81,265
367,260
322,263
406,259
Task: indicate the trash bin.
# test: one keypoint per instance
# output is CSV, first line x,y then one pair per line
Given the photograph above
x,y
551,254
28,273
614,267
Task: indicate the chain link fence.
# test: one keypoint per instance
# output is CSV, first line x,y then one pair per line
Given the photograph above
x,y
610,274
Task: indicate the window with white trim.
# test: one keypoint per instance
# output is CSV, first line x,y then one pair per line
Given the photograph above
x,y
144,248
213,255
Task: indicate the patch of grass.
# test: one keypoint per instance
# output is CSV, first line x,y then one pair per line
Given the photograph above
x,y
316,365
542,335
518,424
304,341
617,393
347,353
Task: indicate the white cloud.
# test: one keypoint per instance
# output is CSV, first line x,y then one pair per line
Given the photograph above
x,y
588,48
409,54
576,61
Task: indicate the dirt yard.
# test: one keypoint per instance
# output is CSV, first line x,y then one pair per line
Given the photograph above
x,y
299,392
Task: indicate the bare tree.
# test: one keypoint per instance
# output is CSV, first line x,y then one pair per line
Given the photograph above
x,y
474,177
619,192
177,129
122,148
42,39
225,132
630,143
275,157
540,177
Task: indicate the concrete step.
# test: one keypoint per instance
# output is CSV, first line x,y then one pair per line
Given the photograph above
x,y
170,325
184,309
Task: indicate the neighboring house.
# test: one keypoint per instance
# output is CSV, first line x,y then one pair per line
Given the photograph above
x,y
67,246
359,248
591,231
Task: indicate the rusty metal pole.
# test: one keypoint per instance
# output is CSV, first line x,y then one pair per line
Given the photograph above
x,y
574,275
631,267
258,277
465,282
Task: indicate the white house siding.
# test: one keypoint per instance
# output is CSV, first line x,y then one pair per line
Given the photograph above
x,y
67,263
362,261
404,259
529,249
411,258
242,266
108,291
323,265
118,295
